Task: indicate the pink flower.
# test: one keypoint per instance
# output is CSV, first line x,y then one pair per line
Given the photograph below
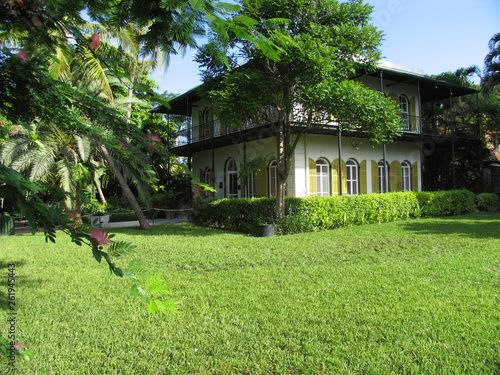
x,y
154,137
22,55
95,41
18,346
100,235
14,132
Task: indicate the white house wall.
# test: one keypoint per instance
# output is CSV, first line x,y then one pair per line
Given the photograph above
x,y
311,146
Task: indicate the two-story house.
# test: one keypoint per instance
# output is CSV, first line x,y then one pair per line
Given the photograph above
x,y
329,161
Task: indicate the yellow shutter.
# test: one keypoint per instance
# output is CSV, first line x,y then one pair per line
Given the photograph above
x,y
344,178
335,177
414,177
362,178
375,185
261,183
396,176
313,187
413,113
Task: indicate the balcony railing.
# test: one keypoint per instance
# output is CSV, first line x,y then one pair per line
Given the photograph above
x,y
412,125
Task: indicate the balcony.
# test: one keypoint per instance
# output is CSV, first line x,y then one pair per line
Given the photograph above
x,y
411,125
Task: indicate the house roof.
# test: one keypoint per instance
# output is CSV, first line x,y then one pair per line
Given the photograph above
x,y
430,89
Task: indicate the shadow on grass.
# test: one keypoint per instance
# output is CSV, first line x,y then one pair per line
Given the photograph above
x,y
20,281
188,230
474,226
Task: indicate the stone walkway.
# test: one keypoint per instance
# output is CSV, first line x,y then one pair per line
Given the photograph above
x,y
21,229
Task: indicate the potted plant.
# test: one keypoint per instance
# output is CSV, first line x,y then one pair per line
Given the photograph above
x,y
265,229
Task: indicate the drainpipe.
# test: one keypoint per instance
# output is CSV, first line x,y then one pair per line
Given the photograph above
x,y
420,127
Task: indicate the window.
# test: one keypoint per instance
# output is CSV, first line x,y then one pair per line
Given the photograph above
x,y
231,179
206,179
273,179
382,181
352,177
406,169
404,109
322,178
206,123
251,185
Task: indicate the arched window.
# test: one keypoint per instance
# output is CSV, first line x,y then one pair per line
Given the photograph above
x,y
352,177
250,185
382,180
322,178
273,179
404,109
231,179
206,179
406,174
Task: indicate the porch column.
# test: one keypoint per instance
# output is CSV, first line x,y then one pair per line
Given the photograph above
x,y
452,122
420,127
385,188
480,145
340,159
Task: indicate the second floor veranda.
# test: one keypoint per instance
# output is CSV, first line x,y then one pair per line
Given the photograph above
x,y
412,126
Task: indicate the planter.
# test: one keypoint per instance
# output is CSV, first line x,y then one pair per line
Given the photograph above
x,y
266,230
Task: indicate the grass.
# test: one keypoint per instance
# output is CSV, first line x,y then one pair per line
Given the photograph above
x,y
411,297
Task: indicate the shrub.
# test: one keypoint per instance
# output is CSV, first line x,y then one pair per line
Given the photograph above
x,y
487,202
305,214
446,203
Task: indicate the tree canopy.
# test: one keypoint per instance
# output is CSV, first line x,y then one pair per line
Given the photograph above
x,y
321,45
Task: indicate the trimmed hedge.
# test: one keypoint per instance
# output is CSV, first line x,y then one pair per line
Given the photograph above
x,y
487,202
324,213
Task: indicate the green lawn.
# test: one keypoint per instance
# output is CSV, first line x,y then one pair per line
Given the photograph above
x,y
419,296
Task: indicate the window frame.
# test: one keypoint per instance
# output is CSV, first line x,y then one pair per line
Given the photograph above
x,y
273,177
406,175
352,183
404,113
322,178
231,177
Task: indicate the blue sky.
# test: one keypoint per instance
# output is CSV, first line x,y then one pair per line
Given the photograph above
x,y
431,35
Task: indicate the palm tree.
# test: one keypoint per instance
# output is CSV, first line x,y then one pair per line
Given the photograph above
x,y
492,63
56,157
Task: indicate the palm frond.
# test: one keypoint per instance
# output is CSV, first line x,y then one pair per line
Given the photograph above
x,y
43,163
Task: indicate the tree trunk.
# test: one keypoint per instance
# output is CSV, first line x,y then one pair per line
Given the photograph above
x,y
74,213
99,191
126,189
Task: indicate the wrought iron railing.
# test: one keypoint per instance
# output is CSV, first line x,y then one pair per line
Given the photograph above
x,y
411,124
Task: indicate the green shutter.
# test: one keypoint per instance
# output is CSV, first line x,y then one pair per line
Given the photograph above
x,y
414,177
362,178
313,187
396,176
261,183
375,185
